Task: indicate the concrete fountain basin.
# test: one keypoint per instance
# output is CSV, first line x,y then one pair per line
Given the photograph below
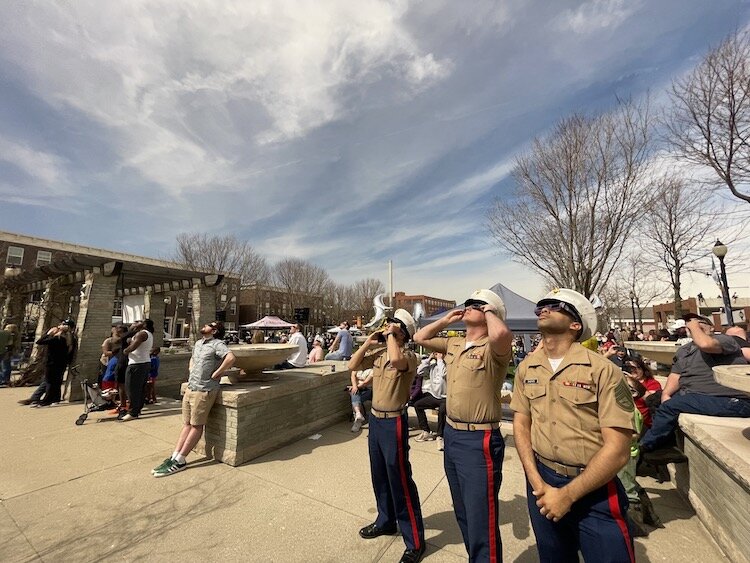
x,y
252,359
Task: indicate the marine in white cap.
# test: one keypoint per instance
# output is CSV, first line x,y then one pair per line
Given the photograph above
x,y
573,426
474,448
393,370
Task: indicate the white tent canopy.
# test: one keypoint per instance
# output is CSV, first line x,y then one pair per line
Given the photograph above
x,y
336,330
520,318
268,322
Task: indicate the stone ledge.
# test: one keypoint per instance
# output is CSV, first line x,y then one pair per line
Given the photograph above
x,y
716,479
252,419
726,440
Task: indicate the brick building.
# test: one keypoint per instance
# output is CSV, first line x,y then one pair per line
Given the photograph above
x,y
712,308
257,301
431,305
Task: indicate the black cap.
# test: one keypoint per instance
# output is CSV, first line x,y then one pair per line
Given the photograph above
x,y
70,322
702,319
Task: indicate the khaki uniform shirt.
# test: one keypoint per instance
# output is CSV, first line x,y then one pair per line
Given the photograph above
x,y
569,408
474,380
390,388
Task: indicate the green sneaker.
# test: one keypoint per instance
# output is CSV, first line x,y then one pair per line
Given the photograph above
x,y
161,466
171,466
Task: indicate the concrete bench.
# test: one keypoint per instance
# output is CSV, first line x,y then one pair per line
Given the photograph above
x,y
253,418
716,479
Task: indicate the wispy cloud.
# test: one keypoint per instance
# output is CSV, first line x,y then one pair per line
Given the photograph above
x,y
594,16
44,167
347,133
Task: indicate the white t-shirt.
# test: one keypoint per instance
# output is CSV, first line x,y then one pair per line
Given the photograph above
x,y
298,358
555,363
141,355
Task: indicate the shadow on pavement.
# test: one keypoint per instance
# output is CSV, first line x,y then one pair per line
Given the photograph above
x,y
128,529
329,436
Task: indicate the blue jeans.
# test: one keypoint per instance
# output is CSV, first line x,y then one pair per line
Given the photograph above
x,y
665,418
39,392
5,369
337,355
361,396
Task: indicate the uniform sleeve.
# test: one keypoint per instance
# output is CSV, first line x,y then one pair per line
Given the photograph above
x,y
519,402
369,360
411,357
437,344
502,358
615,400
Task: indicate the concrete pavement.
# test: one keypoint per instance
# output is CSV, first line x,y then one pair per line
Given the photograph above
x,y
85,493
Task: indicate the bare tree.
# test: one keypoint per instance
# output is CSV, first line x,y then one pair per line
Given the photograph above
x,y
364,291
579,194
682,224
222,254
300,279
340,302
614,296
641,284
709,121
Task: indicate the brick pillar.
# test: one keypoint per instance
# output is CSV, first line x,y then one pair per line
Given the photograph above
x,y
13,308
204,310
154,310
53,308
94,324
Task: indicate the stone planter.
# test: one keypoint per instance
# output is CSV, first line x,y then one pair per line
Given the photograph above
x,y
252,359
736,377
662,352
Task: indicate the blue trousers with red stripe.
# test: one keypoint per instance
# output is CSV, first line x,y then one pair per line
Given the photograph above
x,y
596,525
473,465
396,494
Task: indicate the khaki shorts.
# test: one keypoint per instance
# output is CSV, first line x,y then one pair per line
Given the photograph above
x,y
196,405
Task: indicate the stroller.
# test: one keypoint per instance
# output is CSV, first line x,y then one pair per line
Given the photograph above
x,y
95,399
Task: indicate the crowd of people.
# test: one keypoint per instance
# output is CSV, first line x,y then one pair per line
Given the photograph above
x,y
128,367
587,413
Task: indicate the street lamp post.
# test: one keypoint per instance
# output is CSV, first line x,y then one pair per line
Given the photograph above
x,y
632,306
720,251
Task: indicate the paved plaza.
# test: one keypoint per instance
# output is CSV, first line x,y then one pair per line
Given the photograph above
x,y
70,493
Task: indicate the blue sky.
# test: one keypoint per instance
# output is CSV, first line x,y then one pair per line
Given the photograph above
x,y
346,133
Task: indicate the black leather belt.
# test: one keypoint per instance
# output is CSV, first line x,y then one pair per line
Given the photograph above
x,y
560,468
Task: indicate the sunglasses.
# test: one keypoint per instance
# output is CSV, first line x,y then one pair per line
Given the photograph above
x,y
557,308
633,366
474,304
391,320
